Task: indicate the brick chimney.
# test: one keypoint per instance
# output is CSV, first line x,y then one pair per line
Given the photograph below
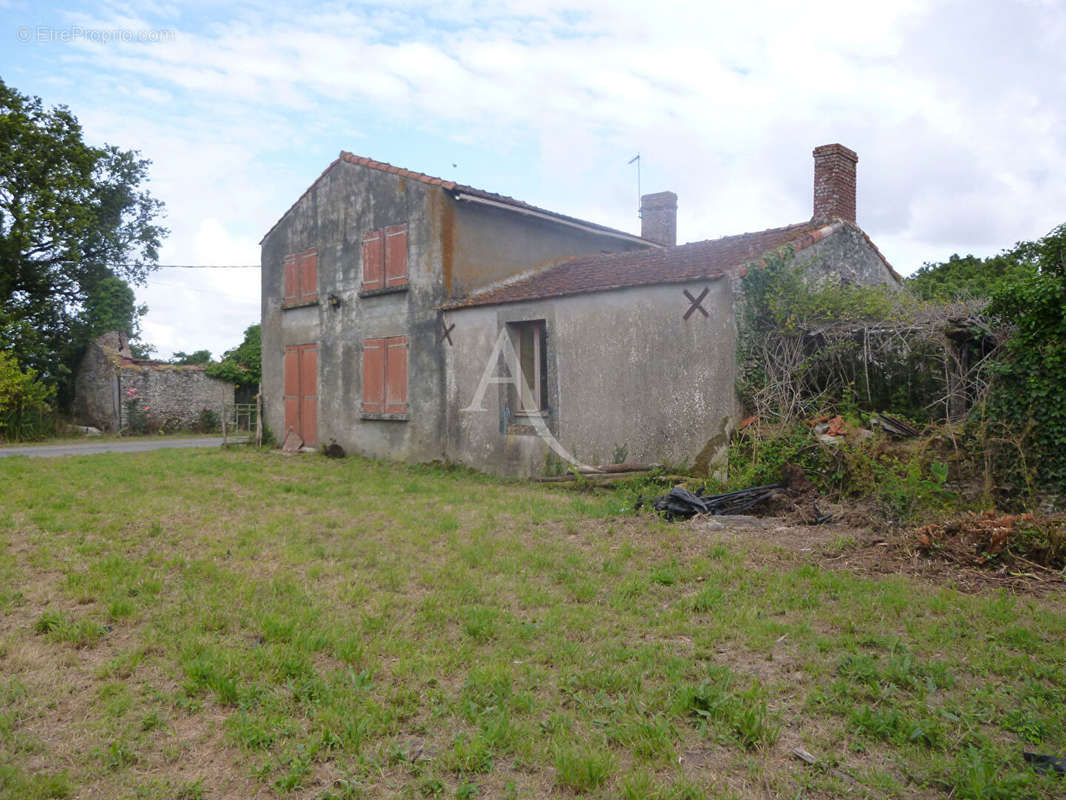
x,y
658,218
834,182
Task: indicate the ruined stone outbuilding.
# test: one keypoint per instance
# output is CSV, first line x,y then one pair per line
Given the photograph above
x,y
414,318
175,395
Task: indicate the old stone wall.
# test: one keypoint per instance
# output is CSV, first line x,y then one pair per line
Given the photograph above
x,y
846,258
173,394
95,391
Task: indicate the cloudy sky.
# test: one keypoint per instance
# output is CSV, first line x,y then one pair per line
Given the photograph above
x,y
957,111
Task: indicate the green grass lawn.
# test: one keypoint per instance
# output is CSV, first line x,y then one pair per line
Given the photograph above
x,y
187,624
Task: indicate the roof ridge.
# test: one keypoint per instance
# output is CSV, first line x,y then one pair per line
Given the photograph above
x,y
365,161
451,186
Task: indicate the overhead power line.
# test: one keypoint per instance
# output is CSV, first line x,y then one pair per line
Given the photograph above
x,y
207,266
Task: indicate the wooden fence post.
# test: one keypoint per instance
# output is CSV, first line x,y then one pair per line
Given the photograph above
x,y
259,417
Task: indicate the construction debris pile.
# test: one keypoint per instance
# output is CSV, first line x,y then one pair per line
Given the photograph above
x,y
833,429
991,537
680,503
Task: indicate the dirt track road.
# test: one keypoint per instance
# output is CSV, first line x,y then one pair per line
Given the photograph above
x,y
91,448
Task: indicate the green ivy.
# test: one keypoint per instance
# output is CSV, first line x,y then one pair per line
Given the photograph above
x,y
1028,394
243,364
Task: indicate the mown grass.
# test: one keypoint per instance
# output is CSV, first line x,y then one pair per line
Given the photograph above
x,y
221,624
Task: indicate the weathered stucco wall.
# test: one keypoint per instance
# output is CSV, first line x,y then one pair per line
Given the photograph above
x,y
333,217
443,240
492,244
626,372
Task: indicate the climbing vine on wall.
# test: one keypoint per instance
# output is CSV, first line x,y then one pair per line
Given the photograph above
x,y
1028,395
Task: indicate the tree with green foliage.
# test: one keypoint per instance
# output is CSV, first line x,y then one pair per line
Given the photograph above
x,y
187,359
111,306
74,219
243,364
969,277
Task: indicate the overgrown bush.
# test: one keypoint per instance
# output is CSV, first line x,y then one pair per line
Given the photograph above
x,y
26,411
1018,425
805,348
804,345
207,422
899,482
1028,392
137,421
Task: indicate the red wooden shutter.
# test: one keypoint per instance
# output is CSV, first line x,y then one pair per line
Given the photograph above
x,y
309,393
308,275
374,376
396,375
396,255
292,388
292,281
373,260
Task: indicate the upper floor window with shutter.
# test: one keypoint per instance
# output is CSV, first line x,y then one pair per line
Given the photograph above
x,y
385,259
301,278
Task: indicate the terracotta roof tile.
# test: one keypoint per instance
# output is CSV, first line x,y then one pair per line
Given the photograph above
x,y
687,262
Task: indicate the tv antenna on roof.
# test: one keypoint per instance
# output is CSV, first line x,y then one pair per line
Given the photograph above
x,y
637,159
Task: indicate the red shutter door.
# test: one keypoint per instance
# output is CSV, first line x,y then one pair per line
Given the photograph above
x,y
292,281
373,261
396,375
309,393
292,389
374,376
308,275
396,255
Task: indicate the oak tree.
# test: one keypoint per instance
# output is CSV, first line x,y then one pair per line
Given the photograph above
x,y
74,219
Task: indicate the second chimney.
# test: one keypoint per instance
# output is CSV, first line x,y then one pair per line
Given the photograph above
x,y
834,182
658,218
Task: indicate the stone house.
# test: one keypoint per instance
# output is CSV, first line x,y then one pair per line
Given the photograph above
x,y
175,395
397,307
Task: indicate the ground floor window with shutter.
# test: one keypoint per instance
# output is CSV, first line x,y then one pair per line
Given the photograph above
x,y
385,378
528,339
301,391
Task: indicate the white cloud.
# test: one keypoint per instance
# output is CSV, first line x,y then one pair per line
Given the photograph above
x,y
955,109
206,309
